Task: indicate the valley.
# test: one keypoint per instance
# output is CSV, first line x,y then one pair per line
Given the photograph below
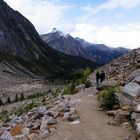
x,y
49,89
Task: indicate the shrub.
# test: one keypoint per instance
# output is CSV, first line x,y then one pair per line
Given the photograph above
x,y
107,98
4,116
16,98
43,100
87,84
22,97
8,100
1,103
25,108
85,75
86,72
32,96
70,89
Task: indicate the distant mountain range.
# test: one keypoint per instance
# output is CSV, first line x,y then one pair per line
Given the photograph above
x,y
23,53
67,44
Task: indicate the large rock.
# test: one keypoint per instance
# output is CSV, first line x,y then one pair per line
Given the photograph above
x,y
72,111
62,105
47,120
134,75
109,83
25,131
44,125
21,137
73,118
131,90
42,110
112,113
51,121
122,116
138,129
6,136
66,115
36,125
137,108
52,113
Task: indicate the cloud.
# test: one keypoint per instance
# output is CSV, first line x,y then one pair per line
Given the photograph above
x,y
44,14
125,35
111,5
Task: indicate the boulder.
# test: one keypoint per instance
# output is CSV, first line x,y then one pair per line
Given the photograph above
x,y
20,137
63,105
1,131
25,131
131,90
52,113
125,107
133,116
31,136
44,125
42,110
134,75
109,83
6,136
111,113
137,108
36,125
73,118
72,111
66,115
122,116
138,128
51,121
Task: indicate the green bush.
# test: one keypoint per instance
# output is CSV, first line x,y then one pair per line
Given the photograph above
x,y
43,100
25,108
4,116
70,89
107,98
85,75
1,103
87,84
16,98
22,97
86,72
8,100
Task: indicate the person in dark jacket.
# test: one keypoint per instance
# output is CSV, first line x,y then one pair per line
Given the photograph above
x,y
102,76
97,78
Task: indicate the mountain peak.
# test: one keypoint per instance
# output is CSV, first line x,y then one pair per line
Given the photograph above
x,y
55,30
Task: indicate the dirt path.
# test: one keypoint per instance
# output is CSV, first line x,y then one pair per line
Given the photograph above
x,y
93,123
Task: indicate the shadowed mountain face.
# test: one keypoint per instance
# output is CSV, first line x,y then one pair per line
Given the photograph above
x,y
22,47
78,47
65,43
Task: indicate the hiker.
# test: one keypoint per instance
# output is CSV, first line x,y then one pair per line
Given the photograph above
x,y
102,76
97,78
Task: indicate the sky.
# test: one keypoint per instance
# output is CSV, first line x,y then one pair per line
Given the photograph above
x,y
115,23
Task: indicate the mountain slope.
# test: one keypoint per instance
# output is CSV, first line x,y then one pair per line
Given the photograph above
x,y
78,47
21,46
64,43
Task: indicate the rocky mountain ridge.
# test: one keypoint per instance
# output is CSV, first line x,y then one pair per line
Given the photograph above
x,y
67,44
64,43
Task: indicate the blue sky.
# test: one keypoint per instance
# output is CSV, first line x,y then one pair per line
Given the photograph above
x,y
115,23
